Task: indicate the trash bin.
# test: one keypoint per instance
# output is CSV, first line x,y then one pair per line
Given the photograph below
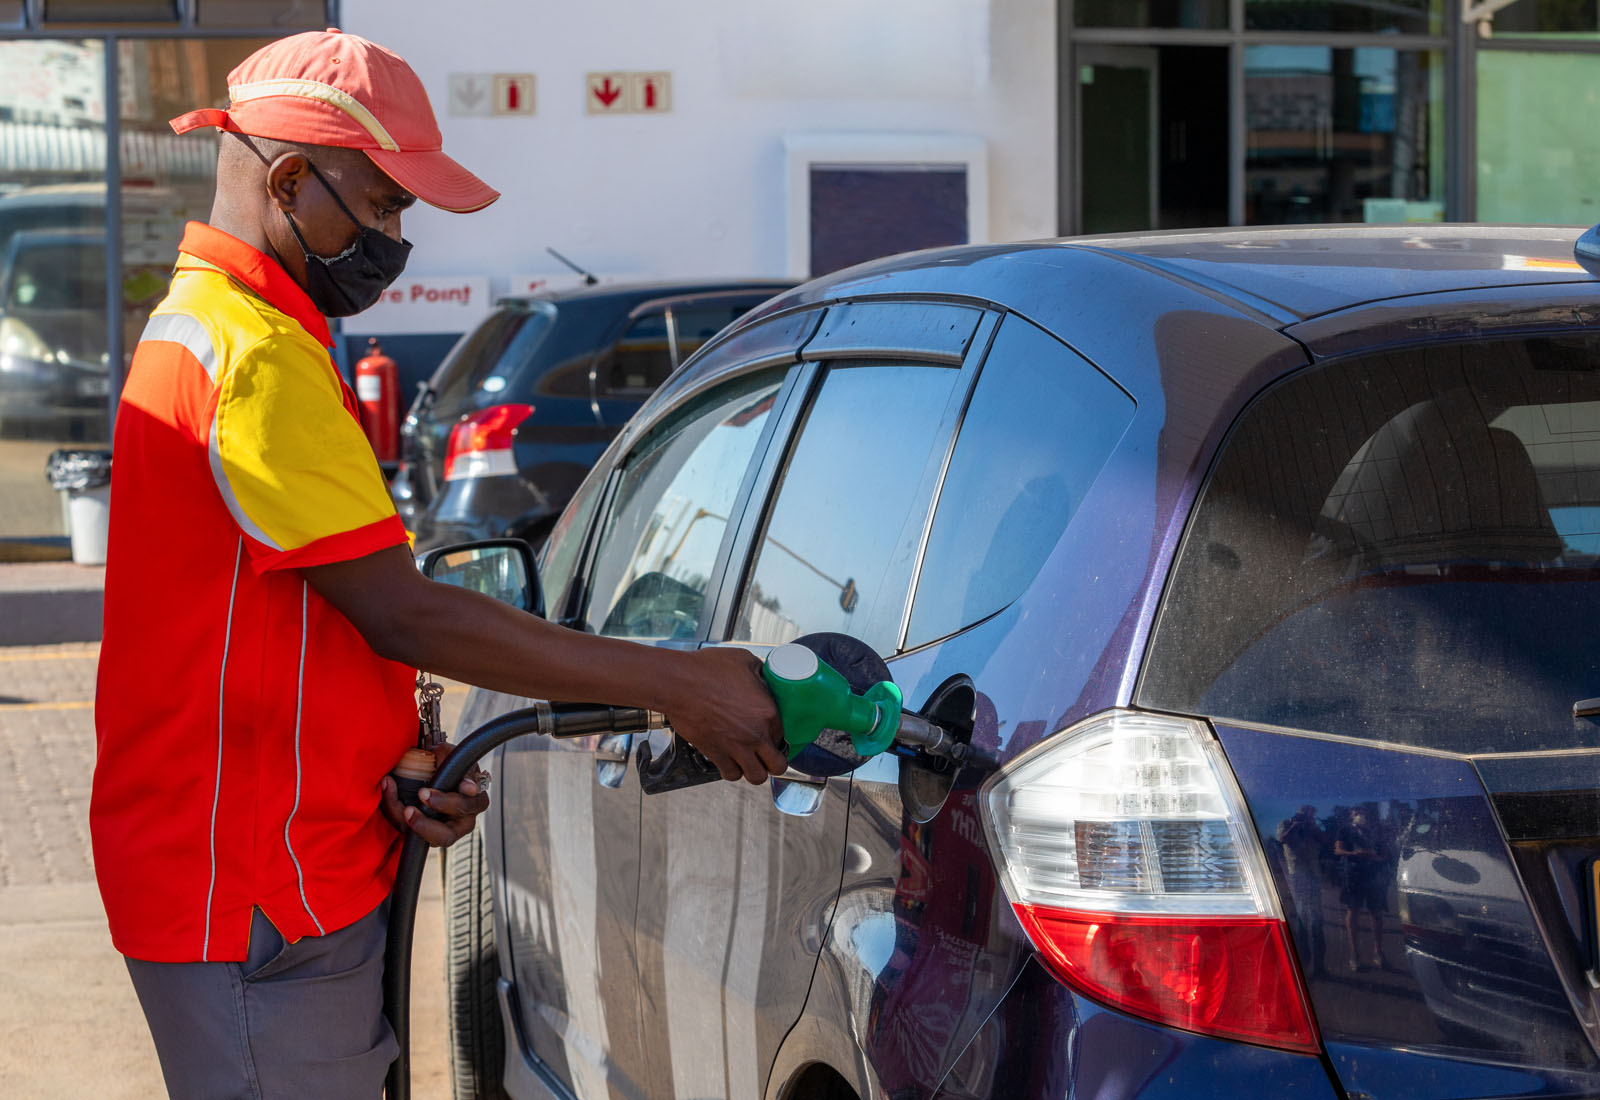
x,y
84,480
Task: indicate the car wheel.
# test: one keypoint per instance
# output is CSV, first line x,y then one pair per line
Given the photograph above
x,y
471,973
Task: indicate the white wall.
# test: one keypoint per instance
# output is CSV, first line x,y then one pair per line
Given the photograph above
x,y
700,191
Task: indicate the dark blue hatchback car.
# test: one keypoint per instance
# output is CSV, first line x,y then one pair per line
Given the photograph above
x,y
1273,559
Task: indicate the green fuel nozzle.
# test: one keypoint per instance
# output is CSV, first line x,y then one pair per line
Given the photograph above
x,y
839,708
813,696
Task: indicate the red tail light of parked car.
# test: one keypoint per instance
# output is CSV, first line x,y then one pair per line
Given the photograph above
x,y
480,445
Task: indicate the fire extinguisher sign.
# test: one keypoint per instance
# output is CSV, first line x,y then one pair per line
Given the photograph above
x,y
485,95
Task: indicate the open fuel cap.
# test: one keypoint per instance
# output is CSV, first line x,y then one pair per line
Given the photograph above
x,y
839,704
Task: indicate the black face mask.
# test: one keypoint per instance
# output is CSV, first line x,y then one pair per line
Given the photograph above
x,y
357,277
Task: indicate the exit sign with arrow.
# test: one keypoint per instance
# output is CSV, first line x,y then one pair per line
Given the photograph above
x,y
628,93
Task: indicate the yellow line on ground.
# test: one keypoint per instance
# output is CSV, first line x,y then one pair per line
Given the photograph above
x,y
76,655
76,704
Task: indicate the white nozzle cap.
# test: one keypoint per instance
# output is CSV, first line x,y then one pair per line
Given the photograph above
x,y
792,662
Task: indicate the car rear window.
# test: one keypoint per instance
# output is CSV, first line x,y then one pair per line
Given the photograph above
x,y
484,361
1404,548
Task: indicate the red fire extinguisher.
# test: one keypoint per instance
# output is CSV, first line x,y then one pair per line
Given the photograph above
x,y
377,389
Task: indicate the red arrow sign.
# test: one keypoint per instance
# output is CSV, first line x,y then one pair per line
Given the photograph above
x,y
607,94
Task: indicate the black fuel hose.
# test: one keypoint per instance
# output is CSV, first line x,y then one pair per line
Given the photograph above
x,y
550,719
679,766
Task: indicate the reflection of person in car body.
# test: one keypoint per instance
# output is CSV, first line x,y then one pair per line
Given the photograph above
x,y
264,617
1303,840
1364,885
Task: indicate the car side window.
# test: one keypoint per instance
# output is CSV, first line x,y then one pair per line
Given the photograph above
x,y
834,554
641,359
671,511
559,559
1040,426
696,323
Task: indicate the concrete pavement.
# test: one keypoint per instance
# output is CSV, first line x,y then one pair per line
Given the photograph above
x,y
72,1023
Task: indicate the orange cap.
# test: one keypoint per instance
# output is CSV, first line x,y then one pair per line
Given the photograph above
x,y
328,88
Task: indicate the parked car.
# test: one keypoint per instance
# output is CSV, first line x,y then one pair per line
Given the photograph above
x,y
521,407
1273,557
53,375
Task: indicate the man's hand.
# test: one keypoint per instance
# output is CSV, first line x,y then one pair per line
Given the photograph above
x,y
461,809
726,711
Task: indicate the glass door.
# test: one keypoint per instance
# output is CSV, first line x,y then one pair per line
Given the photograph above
x,y
53,361
1117,93
1155,139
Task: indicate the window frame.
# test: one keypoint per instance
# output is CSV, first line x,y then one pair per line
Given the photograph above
x,y
782,354
1083,362
859,331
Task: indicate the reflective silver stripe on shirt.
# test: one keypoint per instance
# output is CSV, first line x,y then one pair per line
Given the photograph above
x,y
216,791
299,702
246,524
180,328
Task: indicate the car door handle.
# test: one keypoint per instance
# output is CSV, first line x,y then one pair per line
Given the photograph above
x,y
611,759
798,794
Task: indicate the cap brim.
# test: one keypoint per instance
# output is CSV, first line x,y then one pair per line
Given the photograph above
x,y
435,179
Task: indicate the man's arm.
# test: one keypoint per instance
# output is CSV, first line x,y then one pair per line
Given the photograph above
x,y
715,698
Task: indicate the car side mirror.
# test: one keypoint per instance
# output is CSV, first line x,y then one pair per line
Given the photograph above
x,y
502,568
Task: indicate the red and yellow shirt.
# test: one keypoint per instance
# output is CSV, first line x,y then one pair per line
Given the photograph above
x,y
243,725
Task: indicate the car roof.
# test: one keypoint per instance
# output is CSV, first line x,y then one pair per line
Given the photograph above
x,y
64,235
645,289
57,194
1281,274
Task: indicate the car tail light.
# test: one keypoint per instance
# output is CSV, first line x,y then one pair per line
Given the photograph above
x,y
480,445
1126,852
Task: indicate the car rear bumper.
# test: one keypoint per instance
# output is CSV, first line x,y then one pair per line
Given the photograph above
x,y
1044,1041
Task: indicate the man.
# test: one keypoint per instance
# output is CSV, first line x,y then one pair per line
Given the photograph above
x,y
264,618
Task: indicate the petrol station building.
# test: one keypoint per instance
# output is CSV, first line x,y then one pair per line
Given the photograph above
x,y
721,138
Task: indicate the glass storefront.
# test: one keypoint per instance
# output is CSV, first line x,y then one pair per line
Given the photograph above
x,y
1537,163
1199,14
1343,135
1537,151
1186,113
1547,19
53,308
63,283
1345,16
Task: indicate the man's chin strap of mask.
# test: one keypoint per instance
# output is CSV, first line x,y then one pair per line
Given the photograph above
x,y
357,277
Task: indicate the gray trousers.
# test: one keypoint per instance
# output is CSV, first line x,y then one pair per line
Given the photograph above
x,y
302,1020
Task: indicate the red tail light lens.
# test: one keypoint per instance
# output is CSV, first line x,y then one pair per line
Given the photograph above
x,y
1126,850
480,445
1223,976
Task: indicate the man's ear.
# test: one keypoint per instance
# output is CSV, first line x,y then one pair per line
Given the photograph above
x,y
286,177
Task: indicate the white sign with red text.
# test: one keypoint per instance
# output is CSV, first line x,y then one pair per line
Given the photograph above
x,y
426,303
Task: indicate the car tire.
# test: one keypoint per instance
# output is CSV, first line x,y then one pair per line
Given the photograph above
x,y
472,973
